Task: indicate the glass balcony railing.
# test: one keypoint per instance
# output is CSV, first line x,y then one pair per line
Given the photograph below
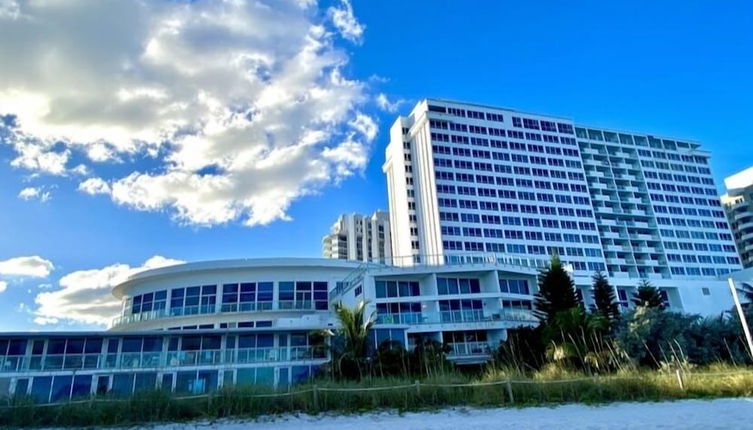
x,y
142,360
455,317
245,307
208,309
467,349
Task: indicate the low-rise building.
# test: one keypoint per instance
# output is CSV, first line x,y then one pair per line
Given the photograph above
x,y
194,328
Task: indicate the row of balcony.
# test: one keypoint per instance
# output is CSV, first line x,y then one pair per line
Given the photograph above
x,y
140,360
455,317
281,305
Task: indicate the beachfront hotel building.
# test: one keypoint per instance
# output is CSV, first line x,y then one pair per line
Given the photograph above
x,y
479,198
467,179
359,237
738,204
194,328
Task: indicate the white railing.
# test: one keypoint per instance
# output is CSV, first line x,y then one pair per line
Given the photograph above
x,y
141,360
465,349
455,317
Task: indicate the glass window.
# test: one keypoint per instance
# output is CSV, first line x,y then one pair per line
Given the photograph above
x,y
246,376
265,294
381,289
191,343
56,346
61,388
300,374
17,347
40,388
287,292
265,341
192,296
211,342
145,382
152,344
37,348
146,302
248,293
132,344
229,293
93,346
82,385
265,376
75,346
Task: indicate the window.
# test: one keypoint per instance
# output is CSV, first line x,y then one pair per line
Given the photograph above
x,y
396,288
514,286
447,286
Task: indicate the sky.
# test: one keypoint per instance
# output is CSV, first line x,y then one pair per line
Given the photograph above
x,y
136,134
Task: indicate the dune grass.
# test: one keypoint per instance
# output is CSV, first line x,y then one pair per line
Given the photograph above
x,y
489,389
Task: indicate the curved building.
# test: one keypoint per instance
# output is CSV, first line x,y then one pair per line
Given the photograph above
x,y
194,328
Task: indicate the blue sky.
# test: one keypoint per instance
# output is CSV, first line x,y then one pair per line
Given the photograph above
x,y
679,69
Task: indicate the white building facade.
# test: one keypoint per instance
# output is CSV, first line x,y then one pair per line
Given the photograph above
x,y
359,238
738,204
197,327
465,179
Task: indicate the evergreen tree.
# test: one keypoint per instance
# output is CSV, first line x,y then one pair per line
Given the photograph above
x,y
648,296
604,298
556,291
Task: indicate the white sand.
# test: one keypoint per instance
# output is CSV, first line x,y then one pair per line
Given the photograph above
x,y
685,414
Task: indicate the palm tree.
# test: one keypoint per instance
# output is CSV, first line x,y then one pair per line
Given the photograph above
x,y
648,296
354,328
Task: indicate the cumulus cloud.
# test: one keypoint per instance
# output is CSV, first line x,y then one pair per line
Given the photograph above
x,y
242,105
94,186
384,103
32,266
346,22
3,286
37,193
85,296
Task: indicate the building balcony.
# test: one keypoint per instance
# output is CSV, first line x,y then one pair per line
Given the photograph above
x,y
282,305
644,249
455,317
637,236
155,360
616,261
618,248
469,349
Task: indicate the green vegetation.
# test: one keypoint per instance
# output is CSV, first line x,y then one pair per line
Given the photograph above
x,y
605,301
648,296
573,355
550,385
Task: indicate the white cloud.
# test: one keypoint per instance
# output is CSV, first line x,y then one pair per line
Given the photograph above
x,y
3,286
94,186
240,104
32,266
384,103
39,193
346,22
85,295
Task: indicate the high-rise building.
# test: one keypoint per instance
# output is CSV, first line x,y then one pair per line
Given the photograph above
x,y
465,179
359,237
738,203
